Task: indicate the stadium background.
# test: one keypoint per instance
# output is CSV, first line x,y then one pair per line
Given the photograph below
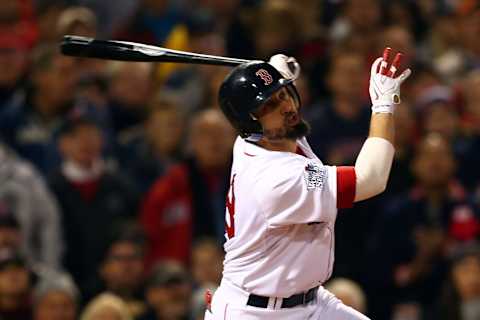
x,y
113,175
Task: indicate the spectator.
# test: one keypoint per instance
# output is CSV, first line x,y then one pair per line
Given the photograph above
x,y
79,21
191,86
121,272
157,22
424,78
439,114
346,109
406,15
415,227
168,292
55,298
400,38
48,14
358,25
15,286
10,234
445,45
189,201
26,195
29,126
92,198
128,107
206,269
401,178
461,295
146,155
349,292
471,96
277,28
17,18
112,16
106,306
14,60
207,263
467,33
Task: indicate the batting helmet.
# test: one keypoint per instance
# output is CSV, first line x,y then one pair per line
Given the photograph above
x,y
245,89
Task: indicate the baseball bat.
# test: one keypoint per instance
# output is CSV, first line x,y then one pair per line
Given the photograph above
x,y
131,51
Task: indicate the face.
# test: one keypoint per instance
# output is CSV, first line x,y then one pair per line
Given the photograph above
x,y
14,283
404,125
132,75
83,145
434,164
13,63
9,237
280,117
212,140
363,14
400,39
442,119
55,305
59,81
207,264
165,130
466,277
9,12
472,94
347,77
123,269
170,302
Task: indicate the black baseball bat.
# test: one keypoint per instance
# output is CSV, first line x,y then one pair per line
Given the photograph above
x,y
131,51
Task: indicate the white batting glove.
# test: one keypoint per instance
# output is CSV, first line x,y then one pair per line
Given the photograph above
x,y
384,88
287,66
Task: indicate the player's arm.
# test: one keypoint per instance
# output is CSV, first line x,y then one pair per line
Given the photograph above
x,y
374,161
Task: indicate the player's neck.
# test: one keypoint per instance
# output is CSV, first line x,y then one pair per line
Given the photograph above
x,y
285,145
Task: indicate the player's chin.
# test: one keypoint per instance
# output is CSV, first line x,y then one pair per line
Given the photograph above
x,y
300,130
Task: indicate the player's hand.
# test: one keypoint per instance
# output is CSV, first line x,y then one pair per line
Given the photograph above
x,y
384,86
287,66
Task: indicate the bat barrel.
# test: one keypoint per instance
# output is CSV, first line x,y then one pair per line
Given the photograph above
x,y
131,51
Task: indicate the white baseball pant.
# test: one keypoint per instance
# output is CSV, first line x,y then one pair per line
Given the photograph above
x,y
230,303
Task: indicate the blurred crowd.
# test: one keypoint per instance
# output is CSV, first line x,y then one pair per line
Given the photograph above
x,y
113,175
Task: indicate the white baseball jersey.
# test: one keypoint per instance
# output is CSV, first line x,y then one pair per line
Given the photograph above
x,y
280,215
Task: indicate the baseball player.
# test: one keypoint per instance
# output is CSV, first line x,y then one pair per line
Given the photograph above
x,y
282,203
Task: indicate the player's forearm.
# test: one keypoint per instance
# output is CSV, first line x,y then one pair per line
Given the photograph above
x,y
374,161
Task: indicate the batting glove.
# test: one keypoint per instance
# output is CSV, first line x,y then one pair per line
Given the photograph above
x,y
384,88
287,66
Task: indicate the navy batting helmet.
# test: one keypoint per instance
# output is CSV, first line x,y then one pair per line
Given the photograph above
x,y
245,89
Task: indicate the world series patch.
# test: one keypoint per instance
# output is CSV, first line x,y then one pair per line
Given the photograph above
x,y
315,175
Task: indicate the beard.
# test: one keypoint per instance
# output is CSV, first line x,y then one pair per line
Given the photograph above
x,y
299,130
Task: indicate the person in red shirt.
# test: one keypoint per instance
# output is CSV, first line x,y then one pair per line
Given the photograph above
x,y
189,201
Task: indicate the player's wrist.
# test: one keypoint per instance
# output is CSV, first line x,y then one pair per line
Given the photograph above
x,y
383,108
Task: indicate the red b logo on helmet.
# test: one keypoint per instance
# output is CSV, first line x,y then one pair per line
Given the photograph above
x,y
265,76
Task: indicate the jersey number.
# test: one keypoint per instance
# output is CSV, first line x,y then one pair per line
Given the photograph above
x,y
229,221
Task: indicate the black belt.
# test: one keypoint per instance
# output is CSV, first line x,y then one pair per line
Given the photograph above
x,y
290,302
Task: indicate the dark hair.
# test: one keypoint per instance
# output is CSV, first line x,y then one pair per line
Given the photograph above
x,y
125,232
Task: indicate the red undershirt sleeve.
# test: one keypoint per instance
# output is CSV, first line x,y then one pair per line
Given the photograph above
x,y
346,180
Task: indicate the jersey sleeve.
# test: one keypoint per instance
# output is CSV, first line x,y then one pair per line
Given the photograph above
x,y
346,184
297,190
